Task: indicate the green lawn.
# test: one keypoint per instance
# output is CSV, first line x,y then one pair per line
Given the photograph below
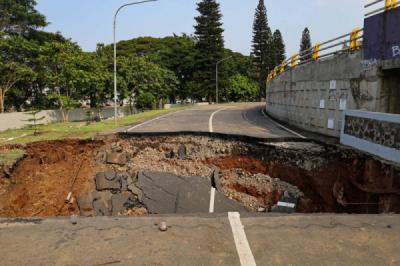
x,y
9,156
79,130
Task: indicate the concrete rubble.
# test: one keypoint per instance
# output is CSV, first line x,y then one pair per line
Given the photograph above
x,y
174,174
158,192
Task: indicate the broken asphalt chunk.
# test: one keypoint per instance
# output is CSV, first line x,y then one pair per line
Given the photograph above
x,y
103,181
102,204
182,152
170,154
216,179
166,193
117,158
137,191
287,204
124,201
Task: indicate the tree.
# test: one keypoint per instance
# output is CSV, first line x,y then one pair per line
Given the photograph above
x,y
138,78
305,45
262,40
64,74
178,54
11,74
14,65
209,45
19,17
145,100
278,48
93,80
241,89
34,119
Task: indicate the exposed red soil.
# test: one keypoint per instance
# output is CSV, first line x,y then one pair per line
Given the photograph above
x,y
349,182
40,183
264,198
245,163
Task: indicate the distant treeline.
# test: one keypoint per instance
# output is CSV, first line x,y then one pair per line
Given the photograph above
x,y
42,70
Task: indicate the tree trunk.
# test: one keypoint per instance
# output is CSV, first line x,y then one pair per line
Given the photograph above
x,y
93,101
2,94
131,105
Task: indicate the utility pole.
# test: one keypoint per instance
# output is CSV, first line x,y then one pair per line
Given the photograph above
x,y
216,77
115,53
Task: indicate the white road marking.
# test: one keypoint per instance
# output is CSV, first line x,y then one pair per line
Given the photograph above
x,y
282,126
242,245
152,120
210,122
286,204
212,200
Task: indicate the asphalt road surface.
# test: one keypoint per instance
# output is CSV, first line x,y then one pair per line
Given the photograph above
x,y
203,240
241,119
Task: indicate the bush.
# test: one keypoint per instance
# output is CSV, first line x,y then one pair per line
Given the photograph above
x,y
241,88
145,100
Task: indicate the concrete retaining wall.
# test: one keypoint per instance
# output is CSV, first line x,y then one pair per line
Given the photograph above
x,y
376,133
16,120
314,96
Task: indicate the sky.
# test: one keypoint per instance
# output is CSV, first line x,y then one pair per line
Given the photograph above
x,y
89,22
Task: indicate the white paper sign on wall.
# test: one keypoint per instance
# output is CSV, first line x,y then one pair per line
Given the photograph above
x,y
322,104
332,85
343,104
331,123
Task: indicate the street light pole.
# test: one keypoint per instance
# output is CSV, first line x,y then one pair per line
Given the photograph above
x,y
115,53
216,77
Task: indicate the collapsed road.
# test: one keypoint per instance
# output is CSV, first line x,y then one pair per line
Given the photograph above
x,y
174,179
139,174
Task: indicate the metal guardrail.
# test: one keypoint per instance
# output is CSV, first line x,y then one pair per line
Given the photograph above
x,y
350,42
389,4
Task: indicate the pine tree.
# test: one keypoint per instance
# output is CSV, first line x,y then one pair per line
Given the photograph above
x,y
209,46
305,45
34,119
262,40
278,48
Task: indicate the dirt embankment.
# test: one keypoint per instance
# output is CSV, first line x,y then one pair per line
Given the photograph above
x,y
323,179
41,181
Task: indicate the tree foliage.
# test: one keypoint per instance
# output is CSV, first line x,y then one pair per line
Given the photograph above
x,y
19,17
34,120
43,70
138,77
278,48
241,89
262,45
210,47
15,65
305,45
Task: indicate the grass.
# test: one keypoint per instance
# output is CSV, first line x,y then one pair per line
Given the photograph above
x,y
79,130
7,157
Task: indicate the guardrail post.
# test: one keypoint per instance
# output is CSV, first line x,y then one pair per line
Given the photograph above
x,y
269,77
293,61
353,39
389,4
315,54
275,72
282,67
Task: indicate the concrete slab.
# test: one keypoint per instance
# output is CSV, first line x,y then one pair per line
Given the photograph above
x,y
159,191
325,239
165,193
202,240
118,241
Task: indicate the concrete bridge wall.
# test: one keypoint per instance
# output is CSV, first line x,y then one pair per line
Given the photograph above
x,y
314,96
